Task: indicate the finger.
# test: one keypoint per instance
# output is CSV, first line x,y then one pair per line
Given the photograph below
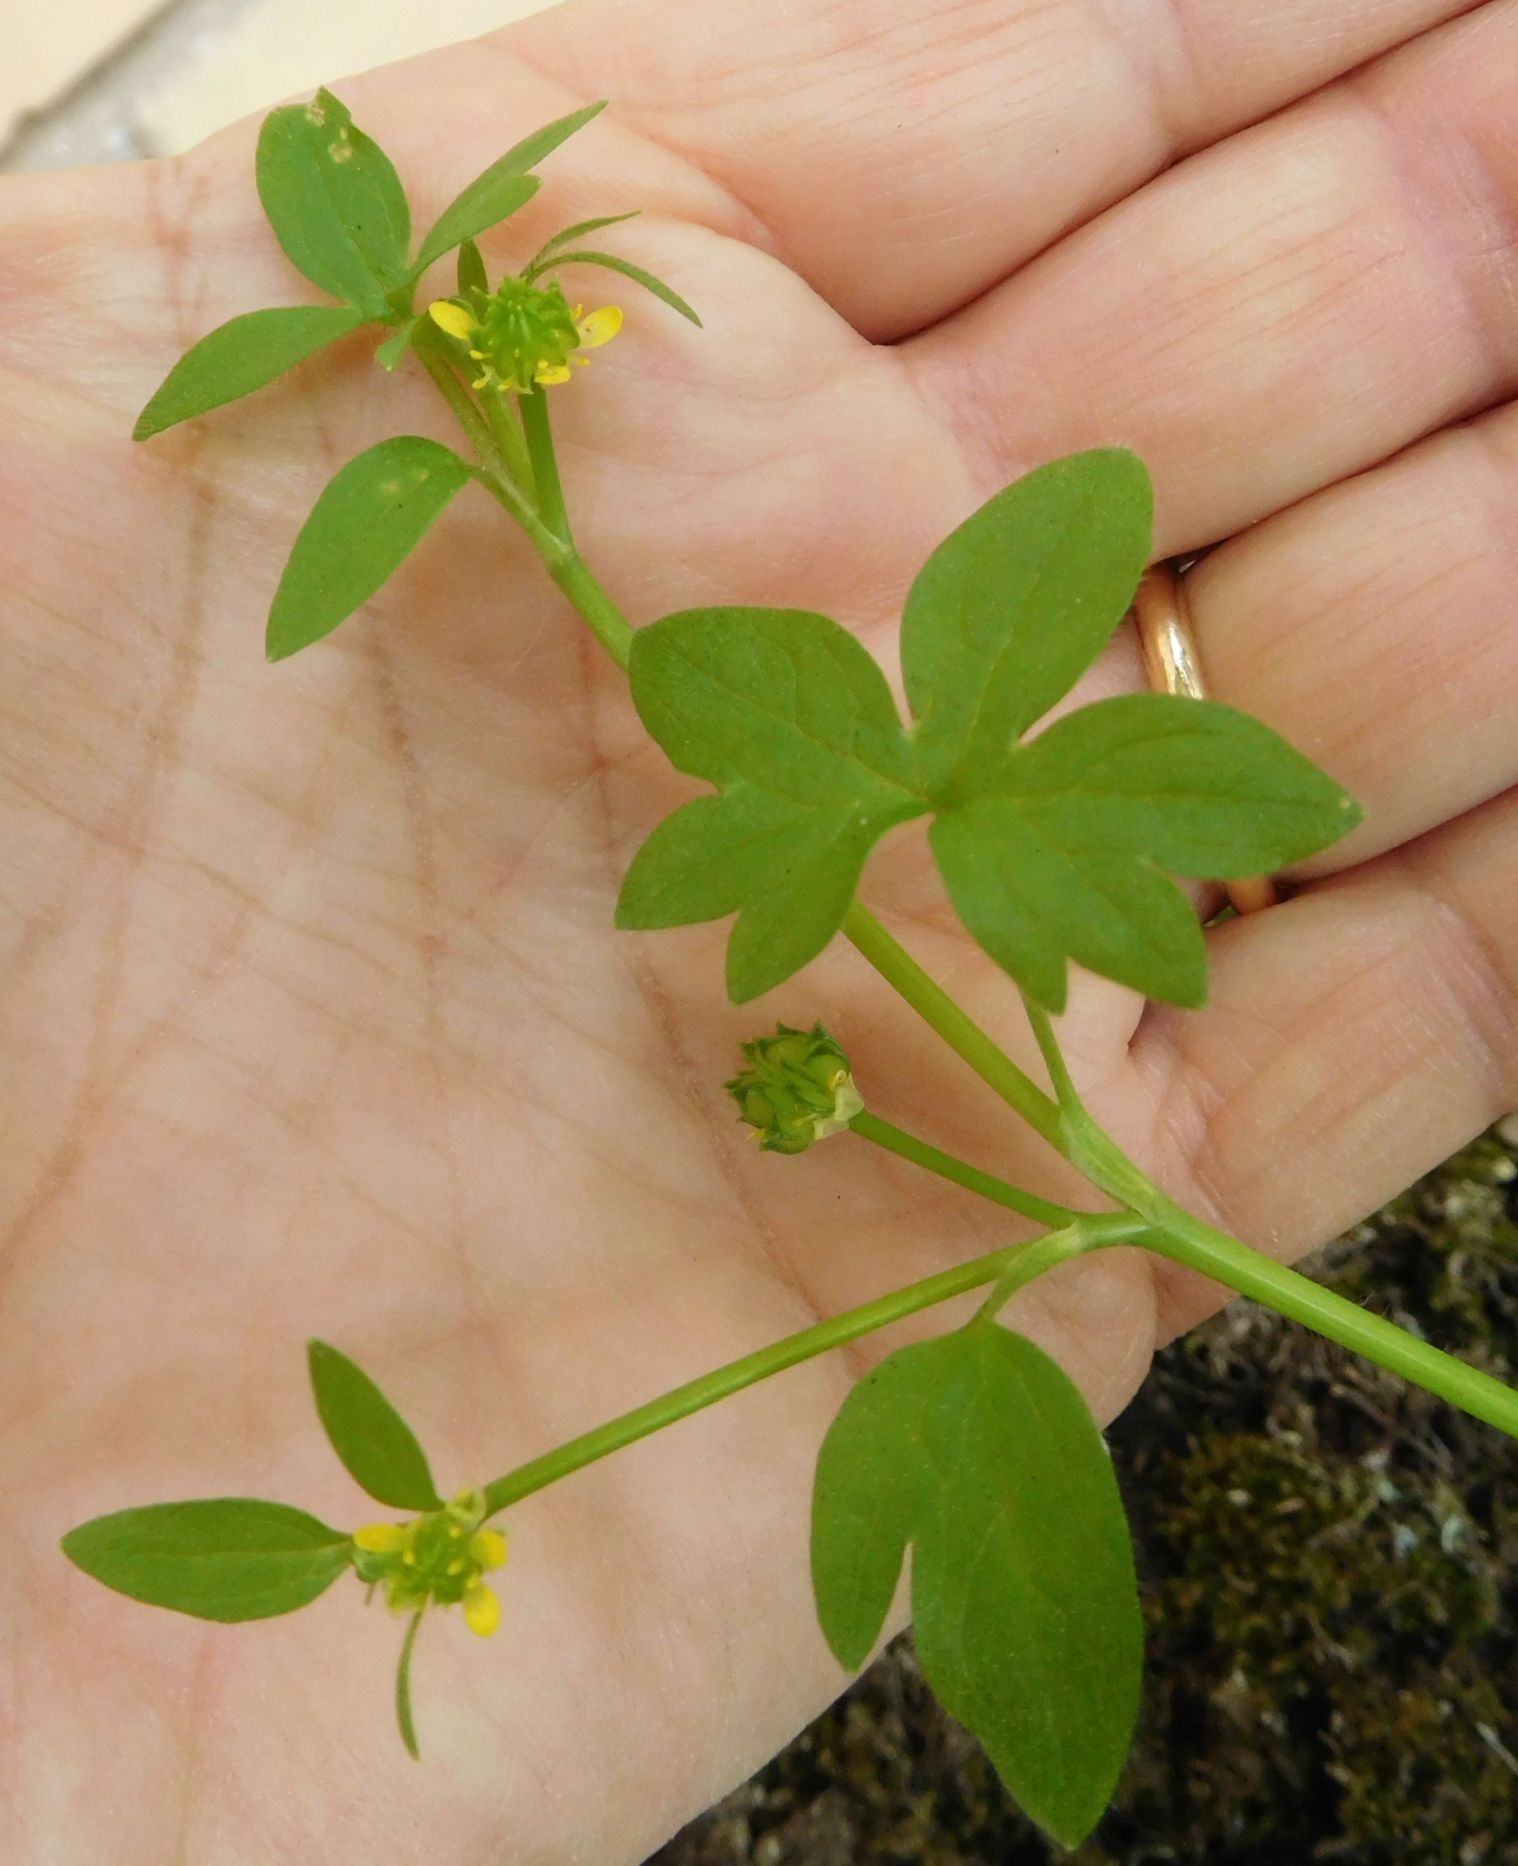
x,y
1277,313
906,156
1354,1037
1374,626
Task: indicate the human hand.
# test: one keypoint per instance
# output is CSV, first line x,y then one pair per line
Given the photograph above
x,y
314,1019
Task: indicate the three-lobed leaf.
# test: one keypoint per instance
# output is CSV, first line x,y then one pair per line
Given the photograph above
x,y
218,1558
793,719
335,202
1052,850
241,356
503,188
377,1447
977,1452
371,517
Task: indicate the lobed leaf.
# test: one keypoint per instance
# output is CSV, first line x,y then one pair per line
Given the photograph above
x,y
628,270
368,521
1015,605
241,356
335,202
375,1444
220,1558
977,1452
793,720
503,188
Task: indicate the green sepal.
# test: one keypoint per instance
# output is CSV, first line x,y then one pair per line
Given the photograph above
x,y
335,202
977,1452
217,1558
377,1447
628,270
241,356
371,517
501,190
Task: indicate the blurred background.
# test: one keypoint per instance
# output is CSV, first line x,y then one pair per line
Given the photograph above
x,y
1329,1559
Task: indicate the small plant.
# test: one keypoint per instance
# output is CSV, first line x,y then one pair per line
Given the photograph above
x,y
972,1450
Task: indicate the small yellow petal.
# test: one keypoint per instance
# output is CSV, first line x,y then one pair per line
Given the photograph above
x,y
381,1538
452,318
557,372
482,1610
488,1548
600,327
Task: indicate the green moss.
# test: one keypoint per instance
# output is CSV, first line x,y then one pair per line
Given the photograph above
x,y
1329,1563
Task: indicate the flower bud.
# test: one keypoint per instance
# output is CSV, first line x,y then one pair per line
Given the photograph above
x,y
797,1089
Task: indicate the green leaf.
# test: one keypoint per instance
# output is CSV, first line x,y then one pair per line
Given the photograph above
x,y
793,720
471,270
1191,785
242,356
1060,857
504,187
374,1442
629,271
334,201
978,1452
364,526
403,1716
393,351
577,232
221,1558
1013,607
1032,904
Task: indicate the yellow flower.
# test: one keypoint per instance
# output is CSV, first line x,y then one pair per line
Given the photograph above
x,y
523,335
439,1558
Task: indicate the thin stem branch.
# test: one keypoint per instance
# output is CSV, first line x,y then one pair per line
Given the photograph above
x,y
957,1028
1054,1058
1031,1260
538,431
906,1146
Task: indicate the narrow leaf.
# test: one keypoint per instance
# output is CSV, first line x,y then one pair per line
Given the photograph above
x,y
403,1716
220,1558
628,270
577,232
334,201
364,526
472,275
790,716
1013,607
242,356
1191,785
977,1452
1033,904
374,1442
504,187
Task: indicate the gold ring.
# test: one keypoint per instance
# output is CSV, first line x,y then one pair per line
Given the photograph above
x,y
1174,666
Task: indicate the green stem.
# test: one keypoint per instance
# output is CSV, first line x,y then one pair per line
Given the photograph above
x,y
545,465
908,1147
1186,1240
608,624
1027,1260
1054,1059
962,1034
509,438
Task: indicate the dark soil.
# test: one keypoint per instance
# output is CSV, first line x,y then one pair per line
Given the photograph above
x,y
1329,1573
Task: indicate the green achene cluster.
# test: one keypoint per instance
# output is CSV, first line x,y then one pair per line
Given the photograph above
x,y
796,1090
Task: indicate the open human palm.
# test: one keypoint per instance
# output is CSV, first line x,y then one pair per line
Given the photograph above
x,y
314,1019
